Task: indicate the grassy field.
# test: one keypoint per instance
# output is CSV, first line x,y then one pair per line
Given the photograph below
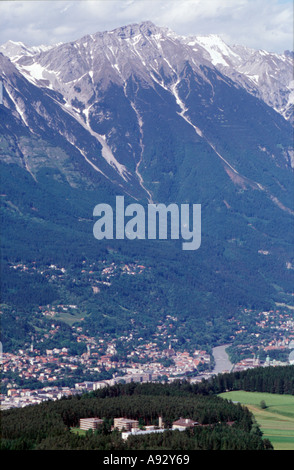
x,y
70,317
80,432
276,421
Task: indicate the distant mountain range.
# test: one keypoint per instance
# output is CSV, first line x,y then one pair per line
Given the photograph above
x,y
98,94
145,113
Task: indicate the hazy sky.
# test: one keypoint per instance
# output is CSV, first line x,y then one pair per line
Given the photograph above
x,y
261,24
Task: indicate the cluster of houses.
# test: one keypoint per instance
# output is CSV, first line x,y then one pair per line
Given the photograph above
x,y
130,427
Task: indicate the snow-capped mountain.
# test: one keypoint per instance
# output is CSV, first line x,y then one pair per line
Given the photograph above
x,y
14,50
267,75
112,96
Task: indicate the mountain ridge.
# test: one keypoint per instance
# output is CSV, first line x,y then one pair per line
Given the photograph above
x,y
244,65
113,62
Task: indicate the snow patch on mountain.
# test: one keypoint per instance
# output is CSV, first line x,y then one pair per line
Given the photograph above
x,y
216,48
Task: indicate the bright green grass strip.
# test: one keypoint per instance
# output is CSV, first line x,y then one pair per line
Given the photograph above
x,y
276,421
80,432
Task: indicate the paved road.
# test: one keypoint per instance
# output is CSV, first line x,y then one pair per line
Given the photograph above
x,y
222,362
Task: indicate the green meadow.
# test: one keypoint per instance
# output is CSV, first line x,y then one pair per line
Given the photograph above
x,y
276,420
70,317
78,431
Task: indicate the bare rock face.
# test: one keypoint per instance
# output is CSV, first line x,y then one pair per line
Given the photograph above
x,y
151,52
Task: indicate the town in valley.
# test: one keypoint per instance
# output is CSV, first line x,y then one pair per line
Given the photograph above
x,y
32,374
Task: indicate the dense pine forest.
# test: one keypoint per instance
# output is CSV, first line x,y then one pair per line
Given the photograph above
x,y
223,425
261,379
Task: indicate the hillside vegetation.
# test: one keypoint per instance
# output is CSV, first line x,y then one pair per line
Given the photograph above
x,y
223,425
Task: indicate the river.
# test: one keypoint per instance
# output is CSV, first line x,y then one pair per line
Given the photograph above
x,y
222,362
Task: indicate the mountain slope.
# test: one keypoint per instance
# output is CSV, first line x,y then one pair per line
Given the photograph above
x,y
139,112
269,76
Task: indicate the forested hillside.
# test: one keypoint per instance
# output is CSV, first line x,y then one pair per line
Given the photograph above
x,y
223,425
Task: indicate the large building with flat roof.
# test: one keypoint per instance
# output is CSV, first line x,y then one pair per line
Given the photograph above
x,y
90,423
125,424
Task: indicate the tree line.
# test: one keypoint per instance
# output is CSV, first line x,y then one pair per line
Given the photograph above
x,y
260,379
